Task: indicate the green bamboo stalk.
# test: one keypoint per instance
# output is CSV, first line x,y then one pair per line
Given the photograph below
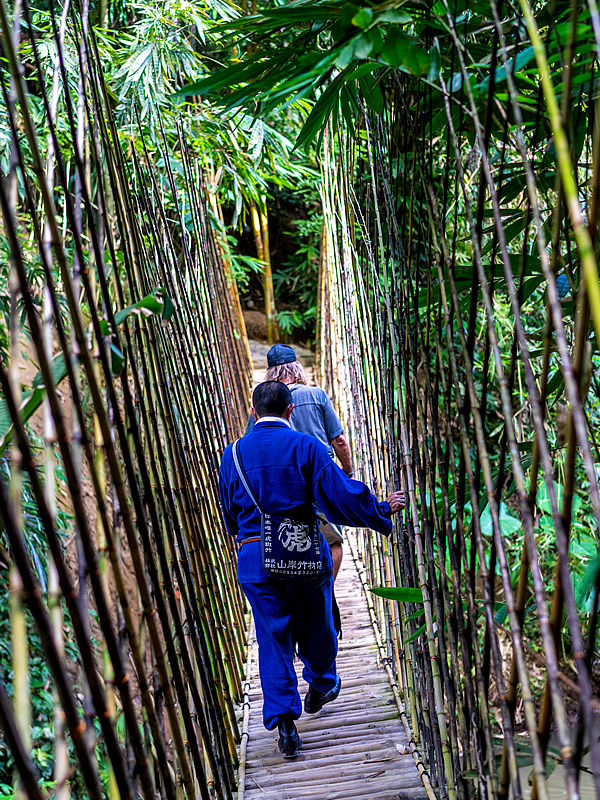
x,y
18,623
61,755
582,236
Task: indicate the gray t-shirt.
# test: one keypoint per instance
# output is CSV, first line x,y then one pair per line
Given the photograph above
x,y
313,414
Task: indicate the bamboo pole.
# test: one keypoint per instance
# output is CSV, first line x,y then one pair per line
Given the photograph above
x,y
18,624
260,229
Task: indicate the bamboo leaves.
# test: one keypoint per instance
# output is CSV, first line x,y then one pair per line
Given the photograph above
x,y
402,594
300,68
157,303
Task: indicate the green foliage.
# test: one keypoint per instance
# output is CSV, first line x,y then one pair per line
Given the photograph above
x,y
307,46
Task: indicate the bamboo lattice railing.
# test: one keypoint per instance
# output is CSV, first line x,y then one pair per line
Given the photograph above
x,y
143,390
447,382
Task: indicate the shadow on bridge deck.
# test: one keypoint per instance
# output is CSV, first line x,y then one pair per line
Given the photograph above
x,y
354,748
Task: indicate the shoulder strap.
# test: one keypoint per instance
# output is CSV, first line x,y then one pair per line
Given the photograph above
x,y
242,475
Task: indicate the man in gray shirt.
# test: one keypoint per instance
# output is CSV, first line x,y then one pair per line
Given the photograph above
x,y
313,414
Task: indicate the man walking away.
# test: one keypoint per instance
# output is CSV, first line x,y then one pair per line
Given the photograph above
x,y
288,473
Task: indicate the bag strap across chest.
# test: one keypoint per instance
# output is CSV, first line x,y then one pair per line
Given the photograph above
x,y
237,462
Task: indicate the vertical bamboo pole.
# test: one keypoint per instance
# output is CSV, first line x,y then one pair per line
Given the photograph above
x,y
18,623
260,229
61,755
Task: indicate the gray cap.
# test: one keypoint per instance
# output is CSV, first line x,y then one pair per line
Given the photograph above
x,y
280,354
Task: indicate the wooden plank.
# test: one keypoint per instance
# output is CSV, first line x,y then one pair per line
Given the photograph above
x,y
355,747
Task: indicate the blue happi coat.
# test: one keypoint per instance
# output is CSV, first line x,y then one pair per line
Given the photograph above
x,y
290,473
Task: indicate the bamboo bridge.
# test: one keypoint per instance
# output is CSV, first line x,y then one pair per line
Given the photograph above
x,y
471,670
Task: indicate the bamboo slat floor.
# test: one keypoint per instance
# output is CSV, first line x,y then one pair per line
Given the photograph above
x,y
355,747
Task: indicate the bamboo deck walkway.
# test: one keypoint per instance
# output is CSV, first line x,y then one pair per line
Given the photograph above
x,y
356,747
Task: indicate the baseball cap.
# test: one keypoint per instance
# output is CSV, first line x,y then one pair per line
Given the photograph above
x,y
280,354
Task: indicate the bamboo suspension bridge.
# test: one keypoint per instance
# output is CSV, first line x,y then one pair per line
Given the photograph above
x,y
471,670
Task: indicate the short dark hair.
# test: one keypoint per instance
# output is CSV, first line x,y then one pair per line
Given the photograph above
x,y
271,397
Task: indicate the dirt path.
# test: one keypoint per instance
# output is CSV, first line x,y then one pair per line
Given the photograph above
x,y
259,352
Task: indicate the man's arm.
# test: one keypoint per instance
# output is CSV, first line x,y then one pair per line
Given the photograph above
x,y
342,450
349,502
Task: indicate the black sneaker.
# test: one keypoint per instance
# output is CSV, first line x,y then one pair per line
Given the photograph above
x,y
315,700
289,742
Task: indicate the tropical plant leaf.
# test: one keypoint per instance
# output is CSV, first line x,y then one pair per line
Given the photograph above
x,y
416,634
402,594
31,401
157,302
543,498
322,109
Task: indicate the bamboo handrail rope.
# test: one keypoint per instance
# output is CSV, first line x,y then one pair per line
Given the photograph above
x,y
186,659
471,611
456,312
380,611
235,362
470,702
192,607
409,479
389,406
187,590
85,535
180,543
410,374
220,389
235,365
514,627
183,547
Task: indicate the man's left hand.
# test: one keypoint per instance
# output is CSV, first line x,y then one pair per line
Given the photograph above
x,y
397,501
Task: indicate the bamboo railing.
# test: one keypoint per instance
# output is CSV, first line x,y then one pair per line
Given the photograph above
x,y
144,375
497,655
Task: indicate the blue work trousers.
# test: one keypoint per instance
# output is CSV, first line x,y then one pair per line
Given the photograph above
x,y
284,612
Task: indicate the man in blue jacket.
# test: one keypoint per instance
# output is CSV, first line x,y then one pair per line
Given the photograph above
x,y
313,414
290,473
